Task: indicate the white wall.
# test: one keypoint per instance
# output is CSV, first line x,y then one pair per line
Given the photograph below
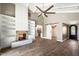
x,y
7,30
49,31
7,25
78,32
21,14
59,32
0,31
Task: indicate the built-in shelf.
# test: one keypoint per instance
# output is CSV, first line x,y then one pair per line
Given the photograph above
x,y
31,25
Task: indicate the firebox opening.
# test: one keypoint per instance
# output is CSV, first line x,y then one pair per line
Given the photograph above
x,y
21,35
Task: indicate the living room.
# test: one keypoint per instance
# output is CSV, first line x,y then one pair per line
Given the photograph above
x,y
33,27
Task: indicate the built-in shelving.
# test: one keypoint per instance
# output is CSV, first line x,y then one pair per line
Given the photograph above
x,y
31,25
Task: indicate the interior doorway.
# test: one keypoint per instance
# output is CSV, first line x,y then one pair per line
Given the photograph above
x,y
73,32
51,31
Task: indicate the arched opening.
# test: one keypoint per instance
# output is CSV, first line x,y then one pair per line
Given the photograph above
x,y
73,32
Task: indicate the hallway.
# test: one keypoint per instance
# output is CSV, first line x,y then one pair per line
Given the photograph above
x,y
46,48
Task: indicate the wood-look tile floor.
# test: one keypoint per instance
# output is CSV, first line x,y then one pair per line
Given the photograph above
x,y
46,48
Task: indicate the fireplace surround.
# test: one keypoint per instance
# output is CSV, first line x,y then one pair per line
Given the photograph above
x,y
22,39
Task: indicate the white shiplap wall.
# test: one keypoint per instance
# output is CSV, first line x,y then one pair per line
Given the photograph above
x,y
7,29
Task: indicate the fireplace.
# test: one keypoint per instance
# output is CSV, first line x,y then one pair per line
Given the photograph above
x,y
20,35
22,39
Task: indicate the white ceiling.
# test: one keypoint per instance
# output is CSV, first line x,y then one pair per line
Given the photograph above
x,y
65,12
69,18
58,7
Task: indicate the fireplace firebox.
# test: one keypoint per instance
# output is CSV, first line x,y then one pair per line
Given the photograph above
x,y
21,35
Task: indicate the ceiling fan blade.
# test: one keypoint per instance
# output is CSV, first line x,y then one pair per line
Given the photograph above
x,y
39,15
49,8
50,12
45,15
39,8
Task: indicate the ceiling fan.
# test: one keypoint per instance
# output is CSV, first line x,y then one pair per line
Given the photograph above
x,y
46,11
